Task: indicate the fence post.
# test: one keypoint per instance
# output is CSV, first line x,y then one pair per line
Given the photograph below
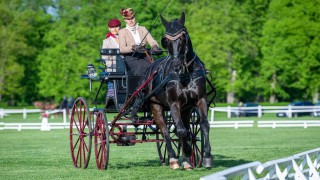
x,y
229,112
24,113
64,115
212,115
289,111
1,113
44,122
259,111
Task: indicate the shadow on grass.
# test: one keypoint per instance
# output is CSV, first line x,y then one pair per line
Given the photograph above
x,y
124,165
219,161
227,162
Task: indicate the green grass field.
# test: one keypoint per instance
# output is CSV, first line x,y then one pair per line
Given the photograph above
x,y
32,154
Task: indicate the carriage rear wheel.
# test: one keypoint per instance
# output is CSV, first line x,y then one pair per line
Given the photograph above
x,y
161,146
196,139
80,133
101,140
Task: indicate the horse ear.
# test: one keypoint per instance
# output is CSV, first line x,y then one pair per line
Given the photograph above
x,y
182,18
164,22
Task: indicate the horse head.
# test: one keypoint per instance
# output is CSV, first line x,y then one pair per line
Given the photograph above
x,y
177,41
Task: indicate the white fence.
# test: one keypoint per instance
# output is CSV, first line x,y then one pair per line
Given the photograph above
x,y
289,111
40,126
213,124
24,112
301,166
233,124
285,123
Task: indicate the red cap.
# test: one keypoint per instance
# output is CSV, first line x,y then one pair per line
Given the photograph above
x,y
114,23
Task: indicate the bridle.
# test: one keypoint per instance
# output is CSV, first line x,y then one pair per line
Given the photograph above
x,y
173,37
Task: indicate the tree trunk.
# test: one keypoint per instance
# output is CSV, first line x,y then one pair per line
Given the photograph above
x,y
273,98
315,97
230,97
233,75
2,70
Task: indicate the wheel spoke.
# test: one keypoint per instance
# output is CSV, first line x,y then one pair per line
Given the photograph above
x,y
196,137
80,134
101,141
74,123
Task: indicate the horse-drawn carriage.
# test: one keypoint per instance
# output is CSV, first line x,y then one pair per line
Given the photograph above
x,y
156,97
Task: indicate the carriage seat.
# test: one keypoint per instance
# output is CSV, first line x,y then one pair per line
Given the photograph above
x,y
117,67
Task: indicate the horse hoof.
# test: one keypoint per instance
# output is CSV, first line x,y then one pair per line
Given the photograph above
x,y
186,166
207,162
174,163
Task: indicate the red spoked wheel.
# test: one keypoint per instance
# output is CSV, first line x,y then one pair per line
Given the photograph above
x,y
80,133
161,146
196,139
101,140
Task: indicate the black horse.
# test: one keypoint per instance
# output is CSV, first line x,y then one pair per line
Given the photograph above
x,y
178,86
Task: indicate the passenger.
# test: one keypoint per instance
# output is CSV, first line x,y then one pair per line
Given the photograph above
x,y
133,39
111,42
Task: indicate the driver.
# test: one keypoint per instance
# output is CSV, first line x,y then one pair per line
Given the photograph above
x,y
132,41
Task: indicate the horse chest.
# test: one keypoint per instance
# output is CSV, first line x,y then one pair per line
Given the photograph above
x,y
184,93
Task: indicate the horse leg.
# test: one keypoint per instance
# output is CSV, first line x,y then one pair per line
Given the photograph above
x,y
176,115
186,147
158,117
186,153
205,128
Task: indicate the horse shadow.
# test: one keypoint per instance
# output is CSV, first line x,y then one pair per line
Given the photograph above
x,y
219,161
128,165
227,162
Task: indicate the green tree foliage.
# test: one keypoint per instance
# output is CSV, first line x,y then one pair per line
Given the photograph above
x,y
222,37
290,63
22,27
255,49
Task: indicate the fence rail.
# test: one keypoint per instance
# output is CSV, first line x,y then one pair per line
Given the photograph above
x,y
258,111
298,123
25,126
24,112
213,124
301,166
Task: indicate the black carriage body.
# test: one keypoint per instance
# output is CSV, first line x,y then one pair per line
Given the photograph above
x,y
123,85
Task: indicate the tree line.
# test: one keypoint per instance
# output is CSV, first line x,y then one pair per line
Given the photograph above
x,y
256,50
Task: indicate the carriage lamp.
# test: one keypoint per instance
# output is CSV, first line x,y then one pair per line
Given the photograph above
x,y
91,71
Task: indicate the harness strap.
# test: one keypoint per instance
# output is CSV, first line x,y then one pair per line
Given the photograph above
x,y
172,38
189,63
167,79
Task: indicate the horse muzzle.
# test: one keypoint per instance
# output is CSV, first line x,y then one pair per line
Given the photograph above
x,y
178,68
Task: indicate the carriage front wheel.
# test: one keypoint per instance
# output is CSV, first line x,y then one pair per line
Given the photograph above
x,y
101,140
196,139
80,133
